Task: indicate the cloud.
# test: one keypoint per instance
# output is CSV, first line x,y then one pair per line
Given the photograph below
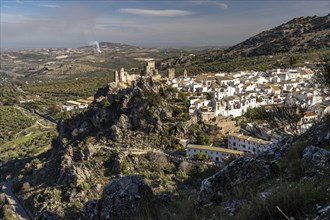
x,y
221,5
50,6
210,2
149,12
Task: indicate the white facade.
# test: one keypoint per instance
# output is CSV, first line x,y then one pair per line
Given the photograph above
x,y
216,154
248,144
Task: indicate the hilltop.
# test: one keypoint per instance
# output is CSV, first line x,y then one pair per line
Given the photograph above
x,y
299,34
304,38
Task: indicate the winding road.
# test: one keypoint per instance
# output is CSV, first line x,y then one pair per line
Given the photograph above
x,y
14,202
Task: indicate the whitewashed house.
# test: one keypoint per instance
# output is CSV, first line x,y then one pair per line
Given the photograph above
x,y
248,144
216,154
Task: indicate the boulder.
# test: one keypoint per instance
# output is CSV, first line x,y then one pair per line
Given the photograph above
x,y
91,211
123,198
317,156
115,133
48,215
240,172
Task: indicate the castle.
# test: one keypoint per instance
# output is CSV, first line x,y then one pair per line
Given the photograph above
x,y
124,79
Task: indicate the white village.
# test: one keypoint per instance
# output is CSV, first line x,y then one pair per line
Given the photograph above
x,y
231,95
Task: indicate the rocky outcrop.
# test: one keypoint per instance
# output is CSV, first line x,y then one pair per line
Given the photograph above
x,y
72,173
91,210
241,172
122,198
122,115
317,156
299,34
48,215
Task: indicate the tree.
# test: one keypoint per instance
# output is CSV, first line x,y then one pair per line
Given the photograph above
x,y
56,107
205,157
321,79
203,138
286,118
199,156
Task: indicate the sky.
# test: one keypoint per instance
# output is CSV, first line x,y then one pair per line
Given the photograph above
x,y
150,23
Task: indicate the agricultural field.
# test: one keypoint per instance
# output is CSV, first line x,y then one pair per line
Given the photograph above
x,y
8,94
12,121
75,87
23,134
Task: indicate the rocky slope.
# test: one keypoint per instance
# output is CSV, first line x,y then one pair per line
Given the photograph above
x,y
86,153
90,174
302,34
299,34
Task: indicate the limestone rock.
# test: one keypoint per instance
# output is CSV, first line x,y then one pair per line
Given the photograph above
x,y
48,215
317,156
123,198
91,211
242,171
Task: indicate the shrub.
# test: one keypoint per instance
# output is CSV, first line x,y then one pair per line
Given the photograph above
x,y
293,199
199,156
203,138
105,103
293,162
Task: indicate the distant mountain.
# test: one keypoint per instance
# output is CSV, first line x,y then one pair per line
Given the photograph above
x,y
299,34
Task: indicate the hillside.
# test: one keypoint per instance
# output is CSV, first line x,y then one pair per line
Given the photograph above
x,y
113,162
305,39
299,34
51,64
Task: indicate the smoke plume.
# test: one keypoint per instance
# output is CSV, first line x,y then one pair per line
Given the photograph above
x,y
95,43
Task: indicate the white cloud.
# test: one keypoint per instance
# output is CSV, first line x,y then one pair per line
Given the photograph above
x,y
221,5
50,6
210,2
149,12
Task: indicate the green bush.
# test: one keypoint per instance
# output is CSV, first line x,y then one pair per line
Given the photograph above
x,y
203,138
105,103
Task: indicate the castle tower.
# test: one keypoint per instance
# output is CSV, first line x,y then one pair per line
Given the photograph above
x,y
122,75
185,73
150,67
171,73
116,76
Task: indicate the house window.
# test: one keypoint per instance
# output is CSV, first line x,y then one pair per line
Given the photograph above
x,y
254,149
194,150
211,152
234,144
